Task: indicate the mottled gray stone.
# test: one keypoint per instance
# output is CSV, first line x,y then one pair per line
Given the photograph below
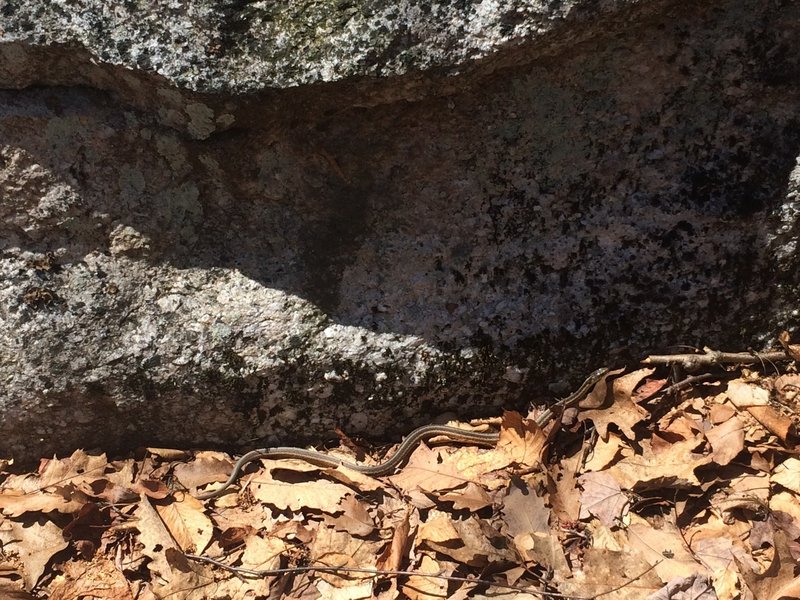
x,y
221,225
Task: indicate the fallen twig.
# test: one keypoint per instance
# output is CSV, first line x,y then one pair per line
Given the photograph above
x,y
681,385
396,572
715,357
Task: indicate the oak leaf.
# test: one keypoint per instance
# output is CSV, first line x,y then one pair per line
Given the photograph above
x,y
35,542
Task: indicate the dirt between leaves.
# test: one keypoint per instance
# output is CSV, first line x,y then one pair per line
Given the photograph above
x,y
642,495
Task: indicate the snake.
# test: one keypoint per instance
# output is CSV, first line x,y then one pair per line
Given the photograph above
x,y
406,447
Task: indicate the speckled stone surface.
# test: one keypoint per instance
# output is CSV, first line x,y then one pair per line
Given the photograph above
x,y
207,239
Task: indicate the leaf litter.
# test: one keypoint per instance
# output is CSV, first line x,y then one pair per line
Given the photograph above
x,y
637,494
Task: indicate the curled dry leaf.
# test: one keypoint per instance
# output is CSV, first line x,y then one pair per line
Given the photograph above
x,y
168,453
779,425
792,350
395,553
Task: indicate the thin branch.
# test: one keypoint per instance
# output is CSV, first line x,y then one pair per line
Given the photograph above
x,y
681,385
715,357
397,572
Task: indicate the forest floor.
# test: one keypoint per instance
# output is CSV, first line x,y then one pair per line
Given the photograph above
x,y
647,489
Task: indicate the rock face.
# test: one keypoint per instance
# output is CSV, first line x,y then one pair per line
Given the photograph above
x,y
223,221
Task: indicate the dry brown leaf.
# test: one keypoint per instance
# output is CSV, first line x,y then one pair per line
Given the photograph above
x,y
155,538
261,554
664,548
623,411
352,516
542,549
727,440
523,511
189,580
152,488
419,587
425,471
773,421
691,587
97,579
354,479
719,413
787,387
355,591
786,503
207,467
170,454
672,466
111,492
284,494
787,474
521,442
626,573
187,523
792,350
726,585
336,548
12,591
778,581
77,468
35,543
466,541
439,528
527,521
15,503
682,424
744,394
562,484
603,498
605,452
648,389
395,554
470,497
717,552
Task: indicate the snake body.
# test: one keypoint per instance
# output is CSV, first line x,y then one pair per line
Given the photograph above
x,y
405,448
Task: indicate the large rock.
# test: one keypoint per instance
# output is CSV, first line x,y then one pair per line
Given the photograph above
x,y
228,221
